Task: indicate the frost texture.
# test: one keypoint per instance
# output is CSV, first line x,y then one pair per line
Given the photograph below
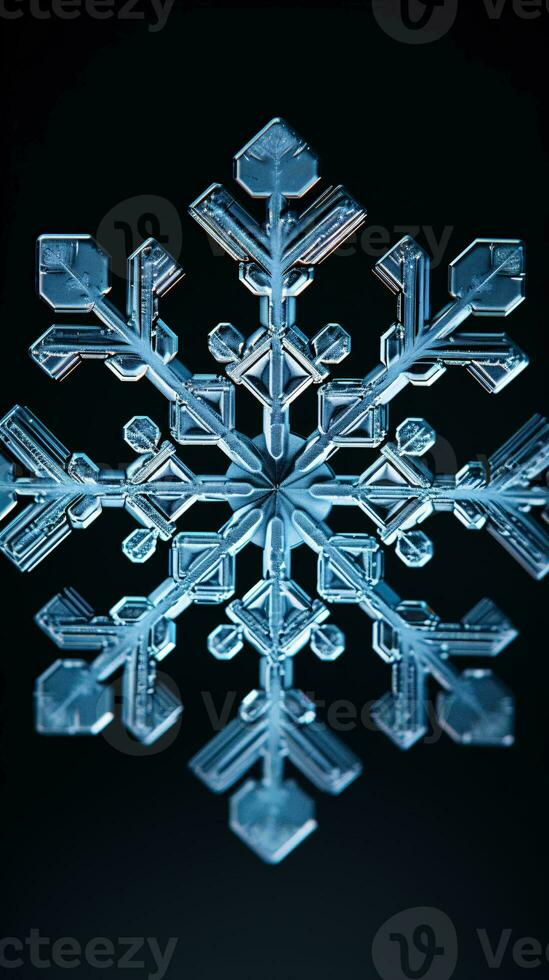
x,y
281,489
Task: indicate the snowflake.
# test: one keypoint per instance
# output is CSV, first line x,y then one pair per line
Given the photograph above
x,y
280,488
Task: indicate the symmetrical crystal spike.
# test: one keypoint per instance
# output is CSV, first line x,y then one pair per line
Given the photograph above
x,y
398,493
281,491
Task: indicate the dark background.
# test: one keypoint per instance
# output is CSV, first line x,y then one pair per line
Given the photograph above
x,y
100,842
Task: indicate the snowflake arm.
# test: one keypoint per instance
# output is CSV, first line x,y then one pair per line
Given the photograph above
x,y
276,721
487,279
476,708
277,262
399,492
73,277
137,633
70,491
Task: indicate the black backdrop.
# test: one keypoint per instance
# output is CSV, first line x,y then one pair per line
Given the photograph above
x,y
100,842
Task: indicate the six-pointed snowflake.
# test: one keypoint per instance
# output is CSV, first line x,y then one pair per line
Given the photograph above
x,y
280,487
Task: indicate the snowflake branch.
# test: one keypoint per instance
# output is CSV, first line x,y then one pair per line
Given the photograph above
x,y
485,280
137,633
73,277
277,261
276,721
475,708
398,493
70,491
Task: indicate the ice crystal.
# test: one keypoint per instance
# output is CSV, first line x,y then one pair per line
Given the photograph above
x,y
281,489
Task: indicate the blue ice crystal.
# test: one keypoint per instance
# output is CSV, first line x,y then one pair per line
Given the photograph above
x,y
280,488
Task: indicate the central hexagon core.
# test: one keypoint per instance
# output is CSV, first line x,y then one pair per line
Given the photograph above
x,y
279,490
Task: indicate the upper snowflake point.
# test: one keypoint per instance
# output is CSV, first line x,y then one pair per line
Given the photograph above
x,y
276,161
73,271
491,275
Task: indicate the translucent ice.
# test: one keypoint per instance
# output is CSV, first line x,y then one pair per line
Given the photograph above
x,y
280,487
